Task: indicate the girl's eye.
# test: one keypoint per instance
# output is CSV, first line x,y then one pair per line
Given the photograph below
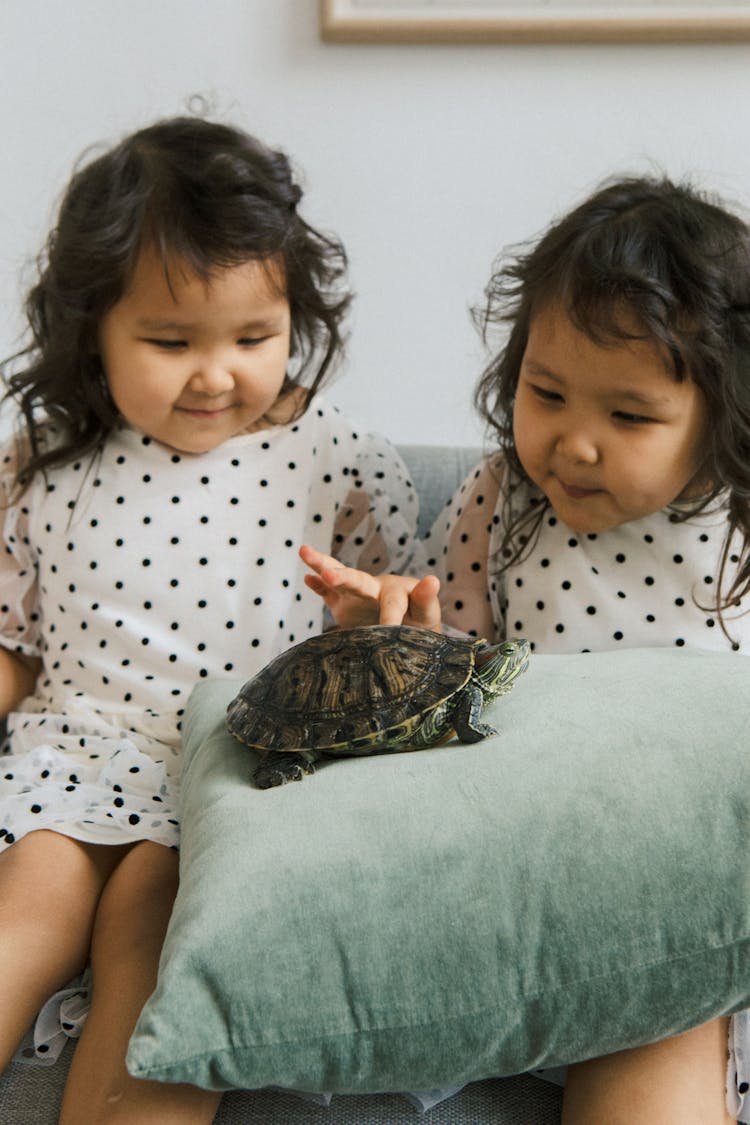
x,y
631,419
168,345
251,341
546,395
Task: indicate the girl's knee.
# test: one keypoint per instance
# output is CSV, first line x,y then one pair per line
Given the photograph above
x,y
675,1081
60,853
47,846
53,871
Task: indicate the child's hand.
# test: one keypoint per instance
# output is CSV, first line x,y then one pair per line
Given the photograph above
x,y
357,598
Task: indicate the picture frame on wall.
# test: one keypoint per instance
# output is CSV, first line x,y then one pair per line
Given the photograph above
x,y
534,21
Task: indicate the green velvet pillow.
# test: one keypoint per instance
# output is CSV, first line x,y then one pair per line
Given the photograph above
x,y
577,884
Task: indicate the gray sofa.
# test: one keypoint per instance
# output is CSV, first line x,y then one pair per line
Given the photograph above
x,y
30,1095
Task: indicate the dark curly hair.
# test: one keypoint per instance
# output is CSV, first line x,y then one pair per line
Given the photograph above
x,y
204,193
675,262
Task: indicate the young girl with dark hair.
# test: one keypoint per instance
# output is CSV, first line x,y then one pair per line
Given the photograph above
x,y
615,511
174,452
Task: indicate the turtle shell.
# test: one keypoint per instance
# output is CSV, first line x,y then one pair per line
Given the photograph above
x,y
349,690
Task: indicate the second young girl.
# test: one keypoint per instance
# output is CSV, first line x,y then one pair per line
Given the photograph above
x,y
615,512
175,453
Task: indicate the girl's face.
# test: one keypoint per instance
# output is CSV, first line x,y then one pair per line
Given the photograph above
x,y
192,362
605,432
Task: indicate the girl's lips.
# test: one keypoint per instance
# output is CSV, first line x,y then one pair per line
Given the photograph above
x,y
577,493
196,412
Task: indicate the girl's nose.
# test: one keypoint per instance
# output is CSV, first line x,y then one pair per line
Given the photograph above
x,y
577,444
211,377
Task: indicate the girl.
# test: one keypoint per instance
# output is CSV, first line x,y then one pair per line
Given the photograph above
x,y
174,453
615,512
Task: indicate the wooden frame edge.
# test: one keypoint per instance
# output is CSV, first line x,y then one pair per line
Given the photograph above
x,y
693,29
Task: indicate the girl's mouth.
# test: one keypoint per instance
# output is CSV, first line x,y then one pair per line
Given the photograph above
x,y
199,412
575,493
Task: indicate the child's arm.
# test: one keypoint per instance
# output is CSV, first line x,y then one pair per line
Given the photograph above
x,y
459,547
355,597
20,663
18,675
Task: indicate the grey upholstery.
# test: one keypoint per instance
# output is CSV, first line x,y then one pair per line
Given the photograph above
x,y
31,1095
436,471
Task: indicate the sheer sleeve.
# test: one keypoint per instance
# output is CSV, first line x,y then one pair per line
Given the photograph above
x,y
20,619
459,548
376,525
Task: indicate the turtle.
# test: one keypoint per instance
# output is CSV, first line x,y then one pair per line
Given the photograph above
x,y
369,689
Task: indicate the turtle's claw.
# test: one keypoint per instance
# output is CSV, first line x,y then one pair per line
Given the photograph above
x,y
277,769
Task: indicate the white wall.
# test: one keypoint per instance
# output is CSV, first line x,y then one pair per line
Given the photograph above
x,y
425,159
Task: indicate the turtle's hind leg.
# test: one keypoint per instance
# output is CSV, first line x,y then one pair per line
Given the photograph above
x,y
276,768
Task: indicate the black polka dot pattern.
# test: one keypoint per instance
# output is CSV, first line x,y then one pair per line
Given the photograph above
x,y
151,571
645,583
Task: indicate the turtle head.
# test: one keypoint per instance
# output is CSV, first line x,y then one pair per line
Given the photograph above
x,y
496,666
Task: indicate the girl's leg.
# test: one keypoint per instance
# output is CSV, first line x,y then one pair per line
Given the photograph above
x,y
49,890
678,1081
131,922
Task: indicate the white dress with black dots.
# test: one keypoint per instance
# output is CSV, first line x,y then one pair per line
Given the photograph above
x,y
648,583
136,573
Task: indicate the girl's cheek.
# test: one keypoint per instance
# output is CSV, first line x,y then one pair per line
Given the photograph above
x,y
521,430
517,420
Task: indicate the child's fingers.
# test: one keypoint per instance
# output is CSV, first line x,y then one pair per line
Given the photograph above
x,y
316,585
394,605
356,597
395,600
333,575
315,559
354,583
424,605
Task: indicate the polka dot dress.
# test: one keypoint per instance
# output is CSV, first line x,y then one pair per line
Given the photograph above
x,y
647,583
642,584
136,573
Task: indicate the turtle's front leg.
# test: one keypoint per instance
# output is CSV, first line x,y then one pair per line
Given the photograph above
x,y
276,768
467,710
